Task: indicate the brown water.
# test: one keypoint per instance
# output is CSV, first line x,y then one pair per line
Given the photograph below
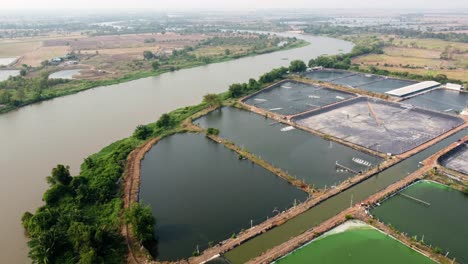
x,y
66,130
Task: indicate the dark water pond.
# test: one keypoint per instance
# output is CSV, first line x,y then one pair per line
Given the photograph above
x,y
200,191
300,153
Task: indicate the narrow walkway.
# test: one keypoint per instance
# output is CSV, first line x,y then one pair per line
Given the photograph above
x,y
414,199
345,168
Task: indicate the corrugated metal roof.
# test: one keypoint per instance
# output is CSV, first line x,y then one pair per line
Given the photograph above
x,y
410,89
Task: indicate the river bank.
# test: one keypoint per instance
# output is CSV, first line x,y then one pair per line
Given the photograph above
x,y
77,86
74,127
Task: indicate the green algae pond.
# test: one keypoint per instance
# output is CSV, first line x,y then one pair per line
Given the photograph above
x,y
200,192
302,154
442,221
354,242
327,209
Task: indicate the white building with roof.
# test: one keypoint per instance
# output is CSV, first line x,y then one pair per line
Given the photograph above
x,y
413,89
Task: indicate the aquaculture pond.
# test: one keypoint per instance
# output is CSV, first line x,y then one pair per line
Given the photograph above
x,y
456,159
360,121
334,205
355,242
65,74
291,97
439,214
369,82
301,154
5,74
441,100
7,61
199,191
358,79
327,75
385,85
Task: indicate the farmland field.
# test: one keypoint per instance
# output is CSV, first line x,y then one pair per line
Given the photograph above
x,y
423,57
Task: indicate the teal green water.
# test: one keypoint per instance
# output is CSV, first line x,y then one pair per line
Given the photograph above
x,y
334,205
355,246
443,223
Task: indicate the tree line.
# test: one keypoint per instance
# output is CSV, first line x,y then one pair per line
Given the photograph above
x,y
326,29
237,90
18,90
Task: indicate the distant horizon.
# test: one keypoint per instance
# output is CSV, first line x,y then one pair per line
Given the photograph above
x,y
287,11
237,5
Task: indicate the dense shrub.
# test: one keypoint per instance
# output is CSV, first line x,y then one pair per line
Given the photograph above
x,y
212,131
297,66
142,132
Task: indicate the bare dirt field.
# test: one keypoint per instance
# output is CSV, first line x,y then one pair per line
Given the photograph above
x,y
126,41
35,57
379,125
33,51
422,56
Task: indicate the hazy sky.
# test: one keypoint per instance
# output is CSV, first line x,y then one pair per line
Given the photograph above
x,y
236,4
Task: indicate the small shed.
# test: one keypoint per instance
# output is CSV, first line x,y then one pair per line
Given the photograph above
x,y
453,86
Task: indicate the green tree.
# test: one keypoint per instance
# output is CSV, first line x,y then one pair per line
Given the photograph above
x,y
273,75
20,95
212,100
155,65
148,55
165,121
312,63
79,235
212,131
297,66
88,257
55,193
5,97
60,175
227,52
141,220
441,78
235,90
23,72
142,132
253,84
